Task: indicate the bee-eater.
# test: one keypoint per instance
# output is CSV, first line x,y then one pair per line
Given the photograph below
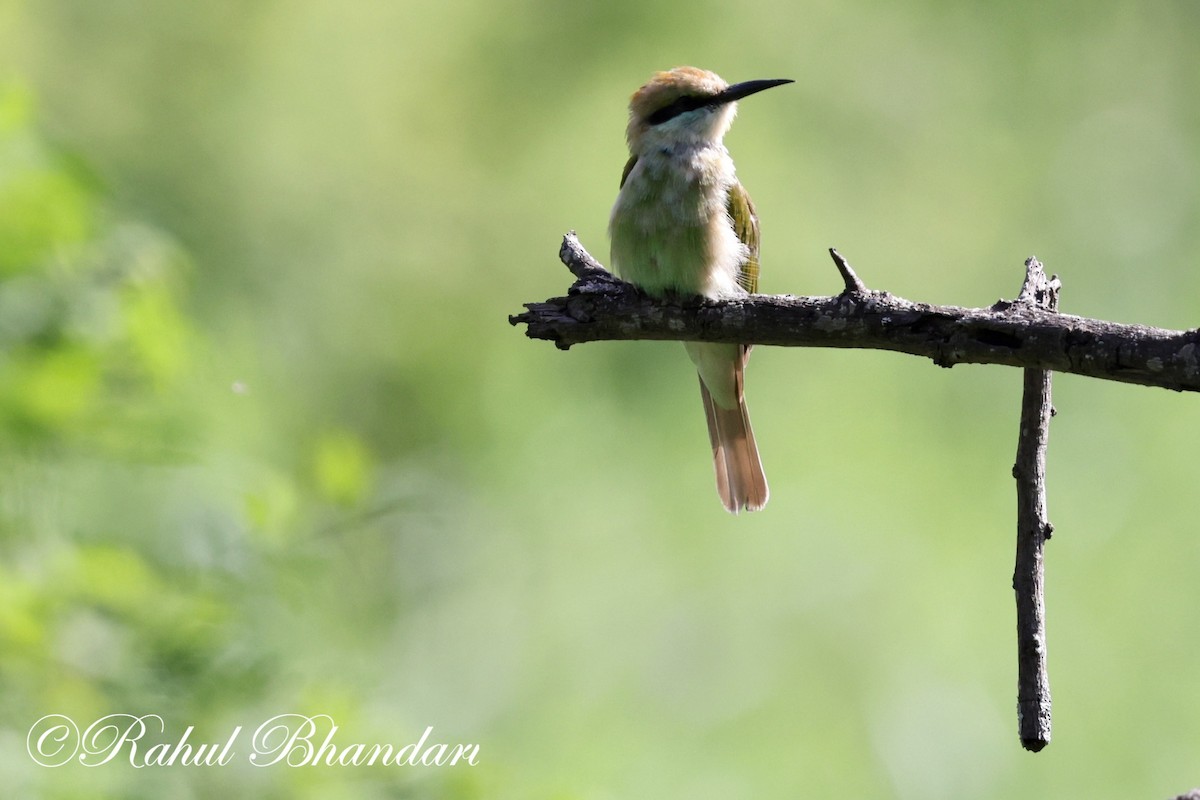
x,y
683,225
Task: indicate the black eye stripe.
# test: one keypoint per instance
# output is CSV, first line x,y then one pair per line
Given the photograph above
x,y
680,106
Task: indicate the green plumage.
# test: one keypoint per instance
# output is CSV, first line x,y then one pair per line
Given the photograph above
x,y
745,225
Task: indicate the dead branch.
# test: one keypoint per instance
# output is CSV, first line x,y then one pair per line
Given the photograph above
x,y
600,307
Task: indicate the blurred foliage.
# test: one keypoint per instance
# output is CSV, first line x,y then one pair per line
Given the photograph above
x,y
267,444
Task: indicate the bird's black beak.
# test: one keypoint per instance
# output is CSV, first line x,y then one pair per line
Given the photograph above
x,y
739,90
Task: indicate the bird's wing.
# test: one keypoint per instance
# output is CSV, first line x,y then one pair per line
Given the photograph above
x,y
628,169
745,224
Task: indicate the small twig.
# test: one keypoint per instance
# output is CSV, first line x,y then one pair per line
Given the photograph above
x,y
854,284
579,261
1033,529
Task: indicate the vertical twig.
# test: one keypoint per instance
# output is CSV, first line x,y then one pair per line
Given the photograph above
x,y
1033,529
854,284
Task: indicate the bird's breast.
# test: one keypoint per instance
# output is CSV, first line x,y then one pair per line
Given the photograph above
x,y
670,226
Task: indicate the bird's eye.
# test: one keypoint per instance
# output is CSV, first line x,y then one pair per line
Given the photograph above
x,y
681,106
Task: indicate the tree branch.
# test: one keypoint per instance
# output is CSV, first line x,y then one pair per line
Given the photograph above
x,y
1027,332
600,307
1033,530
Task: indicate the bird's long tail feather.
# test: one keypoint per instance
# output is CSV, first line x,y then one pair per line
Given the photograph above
x,y
740,479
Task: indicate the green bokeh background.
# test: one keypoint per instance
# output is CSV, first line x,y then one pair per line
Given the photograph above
x,y
268,444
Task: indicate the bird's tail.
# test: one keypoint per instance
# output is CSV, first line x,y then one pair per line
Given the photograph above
x,y
740,479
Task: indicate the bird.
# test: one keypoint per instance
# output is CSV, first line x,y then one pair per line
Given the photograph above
x,y
682,225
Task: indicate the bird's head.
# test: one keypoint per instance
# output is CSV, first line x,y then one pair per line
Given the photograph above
x,y
686,105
